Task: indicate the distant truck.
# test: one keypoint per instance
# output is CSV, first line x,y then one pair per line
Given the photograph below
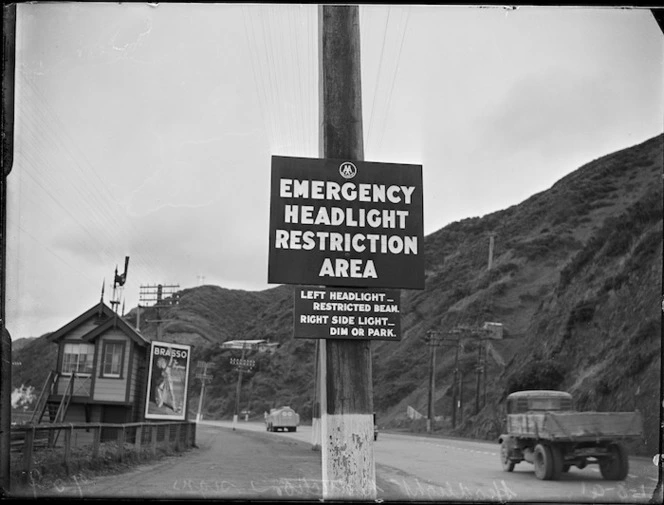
x,y
284,418
544,429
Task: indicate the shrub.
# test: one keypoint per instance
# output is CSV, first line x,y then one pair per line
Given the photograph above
x,y
583,312
537,374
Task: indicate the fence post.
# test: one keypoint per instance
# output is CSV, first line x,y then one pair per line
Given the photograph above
x,y
177,436
68,432
121,441
95,441
27,452
139,435
192,434
153,436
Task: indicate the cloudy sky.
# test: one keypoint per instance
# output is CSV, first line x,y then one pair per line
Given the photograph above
x,y
147,131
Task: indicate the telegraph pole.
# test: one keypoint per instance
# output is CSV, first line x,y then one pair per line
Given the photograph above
x,y
238,387
479,376
432,385
315,411
455,386
347,407
154,296
491,240
434,339
202,375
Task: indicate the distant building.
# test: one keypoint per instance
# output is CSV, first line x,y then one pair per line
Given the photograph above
x,y
495,328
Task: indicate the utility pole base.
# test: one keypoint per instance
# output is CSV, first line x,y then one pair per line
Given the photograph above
x,y
315,434
349,471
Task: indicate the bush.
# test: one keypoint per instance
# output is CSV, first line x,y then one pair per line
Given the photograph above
x,y
537,374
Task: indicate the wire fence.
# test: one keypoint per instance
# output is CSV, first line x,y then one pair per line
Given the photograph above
x,y
39,446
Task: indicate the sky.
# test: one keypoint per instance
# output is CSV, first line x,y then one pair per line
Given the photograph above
x,y
147,130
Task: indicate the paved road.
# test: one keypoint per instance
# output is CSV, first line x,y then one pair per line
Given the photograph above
x,y
430,468
250,463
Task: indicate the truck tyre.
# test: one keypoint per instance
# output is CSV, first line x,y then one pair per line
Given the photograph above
x,y
508,465
557,461
616,465
543,462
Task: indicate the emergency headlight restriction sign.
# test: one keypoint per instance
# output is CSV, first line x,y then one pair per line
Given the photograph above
x,y
337,222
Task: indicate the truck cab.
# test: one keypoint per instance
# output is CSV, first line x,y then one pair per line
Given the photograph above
x,y
539,400
284,418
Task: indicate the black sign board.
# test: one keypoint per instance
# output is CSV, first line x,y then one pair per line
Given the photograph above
x,y
358,314
346,223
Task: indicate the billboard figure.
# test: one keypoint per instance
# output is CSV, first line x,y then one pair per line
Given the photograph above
x,y
167,387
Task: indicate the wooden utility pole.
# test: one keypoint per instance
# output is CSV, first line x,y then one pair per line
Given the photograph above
x,y
315,411
202,375
432,386
460,396
347,407
491,240
238,389
455,386
155,295
478,372
8,66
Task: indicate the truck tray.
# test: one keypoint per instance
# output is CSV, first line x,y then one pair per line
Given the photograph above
x,y
575,425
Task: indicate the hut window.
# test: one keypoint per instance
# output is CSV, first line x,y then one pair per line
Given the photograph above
x,y
113,359
78,358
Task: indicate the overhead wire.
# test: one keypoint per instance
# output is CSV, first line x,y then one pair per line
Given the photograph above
x,y
90,200
378,75
104,205
394,77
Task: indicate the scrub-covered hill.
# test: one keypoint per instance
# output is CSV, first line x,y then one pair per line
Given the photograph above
x,y
574,281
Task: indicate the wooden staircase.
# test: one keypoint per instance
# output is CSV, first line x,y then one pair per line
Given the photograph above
x,y
42,401
47,391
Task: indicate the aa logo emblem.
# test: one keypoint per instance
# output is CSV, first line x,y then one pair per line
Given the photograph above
x,y
347,170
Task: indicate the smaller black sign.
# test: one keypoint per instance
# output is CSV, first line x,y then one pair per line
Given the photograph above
x,y
355,314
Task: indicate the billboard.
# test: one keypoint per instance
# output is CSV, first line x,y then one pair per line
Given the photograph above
x,y
168,376
345,223
347,313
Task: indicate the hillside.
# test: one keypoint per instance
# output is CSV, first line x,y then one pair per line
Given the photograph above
x,y
575,282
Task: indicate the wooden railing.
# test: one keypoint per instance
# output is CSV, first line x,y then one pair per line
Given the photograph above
x,y
177,435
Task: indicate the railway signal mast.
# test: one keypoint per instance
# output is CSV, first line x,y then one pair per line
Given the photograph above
x,y
118,281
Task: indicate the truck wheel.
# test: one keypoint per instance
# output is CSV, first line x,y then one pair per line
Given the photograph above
x,y
616,465
543,462
556,461
508,465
